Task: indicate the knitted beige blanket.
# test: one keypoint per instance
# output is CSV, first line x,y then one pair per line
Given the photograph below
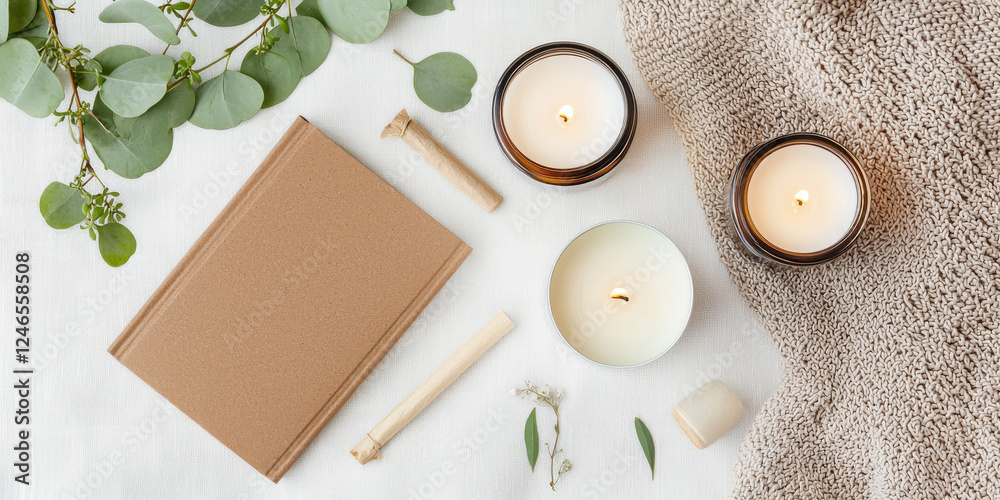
x,y
891,386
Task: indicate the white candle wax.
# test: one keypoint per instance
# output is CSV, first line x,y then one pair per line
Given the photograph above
x,y
598,270
563,111
802,198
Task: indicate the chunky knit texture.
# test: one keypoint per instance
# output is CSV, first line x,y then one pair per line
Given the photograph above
x,y
892,352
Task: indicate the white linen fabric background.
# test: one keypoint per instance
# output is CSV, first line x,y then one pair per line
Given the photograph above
x,y
97,431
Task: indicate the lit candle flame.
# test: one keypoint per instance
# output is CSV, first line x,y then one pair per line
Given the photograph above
x,y
620,294
566,113
801,197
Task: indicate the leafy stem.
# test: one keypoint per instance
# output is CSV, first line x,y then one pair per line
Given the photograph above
x,y
184,22
551,398
66,58
229,51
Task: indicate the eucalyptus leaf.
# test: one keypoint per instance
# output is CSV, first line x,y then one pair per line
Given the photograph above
x,y
26,82
398,4
61,206
38,28
308,8
144,13
646,441
39,21
137,85
86,75
227,12
444,81
277,71
430,7
129,153
113,57
20,14
310,39
356,21
226,100
116,242
531,439
172,111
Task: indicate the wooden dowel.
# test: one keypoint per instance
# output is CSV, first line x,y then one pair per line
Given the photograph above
x,y
416,137
454,366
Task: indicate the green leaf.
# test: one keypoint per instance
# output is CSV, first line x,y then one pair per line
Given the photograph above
x,y
356,21
86,76
310,39
277,71
172,111
226,100
227,12
116,243
27,83
144,13
61,206
113,57
398,4
531,439
430,7
308,8
37,28
20,13
129,153
137,85
444,81
646,441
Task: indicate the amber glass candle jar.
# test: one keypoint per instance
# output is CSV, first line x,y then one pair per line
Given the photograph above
x,y
564,113
800,199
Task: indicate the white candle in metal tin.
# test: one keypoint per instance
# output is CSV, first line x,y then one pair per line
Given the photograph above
x,y
621,294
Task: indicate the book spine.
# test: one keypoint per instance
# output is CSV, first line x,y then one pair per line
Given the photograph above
x,y
214,235
344,392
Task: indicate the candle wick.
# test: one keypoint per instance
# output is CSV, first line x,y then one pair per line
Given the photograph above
x,y
801,197
620,294
566,113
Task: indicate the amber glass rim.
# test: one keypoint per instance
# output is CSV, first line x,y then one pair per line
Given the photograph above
x,y
743,223
583,173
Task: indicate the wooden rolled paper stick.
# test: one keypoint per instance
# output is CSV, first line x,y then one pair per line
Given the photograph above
x,y
454,170
454,366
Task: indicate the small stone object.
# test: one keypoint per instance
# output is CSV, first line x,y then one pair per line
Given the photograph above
x,y
708,413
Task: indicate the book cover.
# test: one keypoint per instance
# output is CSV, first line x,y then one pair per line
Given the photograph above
x,y
288,300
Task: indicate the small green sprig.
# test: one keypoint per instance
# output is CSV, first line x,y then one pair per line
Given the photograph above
x,y
270,10
545,396
184,68
182,11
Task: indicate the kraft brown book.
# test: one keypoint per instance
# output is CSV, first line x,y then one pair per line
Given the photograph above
x,y
289,299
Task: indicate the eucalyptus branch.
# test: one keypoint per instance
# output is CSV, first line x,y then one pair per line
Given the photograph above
x,y
219,103
77,117
98,208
